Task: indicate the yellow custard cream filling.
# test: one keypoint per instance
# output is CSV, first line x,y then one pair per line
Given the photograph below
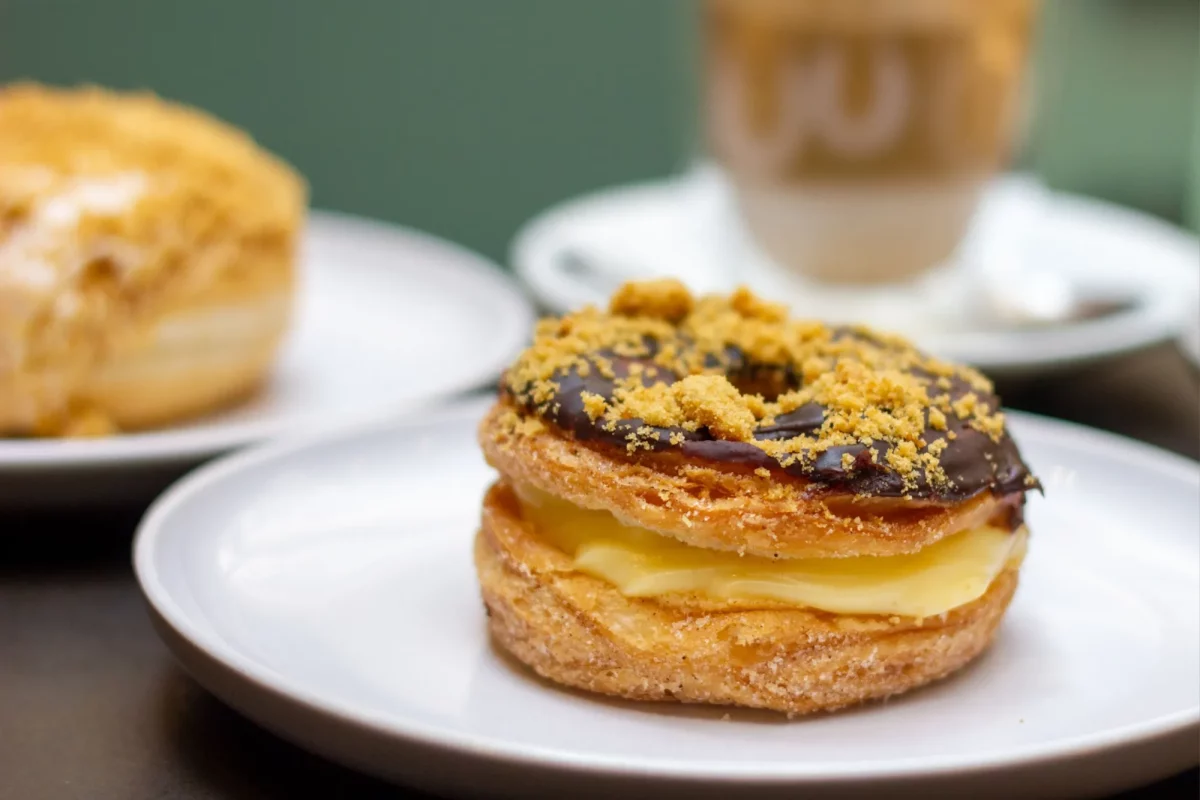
x,y
641,563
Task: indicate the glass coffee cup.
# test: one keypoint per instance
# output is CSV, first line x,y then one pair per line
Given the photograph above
x,y
857,135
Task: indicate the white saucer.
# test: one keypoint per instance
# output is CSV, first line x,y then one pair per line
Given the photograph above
x,y
579,251
387,319
326,589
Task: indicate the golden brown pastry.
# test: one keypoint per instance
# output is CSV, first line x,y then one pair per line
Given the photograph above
x,y
146,261
705,501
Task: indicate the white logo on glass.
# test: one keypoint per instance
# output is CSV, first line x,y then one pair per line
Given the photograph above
x,y
810,107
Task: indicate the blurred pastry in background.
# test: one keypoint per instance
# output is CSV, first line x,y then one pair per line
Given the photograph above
x,y
147,257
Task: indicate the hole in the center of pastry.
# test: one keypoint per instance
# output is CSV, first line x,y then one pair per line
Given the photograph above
x,y
769,382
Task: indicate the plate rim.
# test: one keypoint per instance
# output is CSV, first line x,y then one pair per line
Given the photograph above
x,y
1157,319
181,445
264,679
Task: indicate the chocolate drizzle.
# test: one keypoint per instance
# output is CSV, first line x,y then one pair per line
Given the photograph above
x,y
972,460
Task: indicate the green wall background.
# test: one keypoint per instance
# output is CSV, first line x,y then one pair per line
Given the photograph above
x,y
1117,99
465,117
461,117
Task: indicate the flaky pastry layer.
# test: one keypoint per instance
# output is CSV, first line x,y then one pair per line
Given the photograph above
x,y
580,631
722,508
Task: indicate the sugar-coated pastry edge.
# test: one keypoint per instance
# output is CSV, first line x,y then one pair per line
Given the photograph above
x,y
580,631
722,508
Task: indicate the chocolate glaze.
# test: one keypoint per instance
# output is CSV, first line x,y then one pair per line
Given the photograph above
x,y
972,461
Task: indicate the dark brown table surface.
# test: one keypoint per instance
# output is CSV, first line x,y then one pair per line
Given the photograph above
x,y
93,707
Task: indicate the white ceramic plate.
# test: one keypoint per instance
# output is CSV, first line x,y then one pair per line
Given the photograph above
x,y
1025,240
326,589
387,319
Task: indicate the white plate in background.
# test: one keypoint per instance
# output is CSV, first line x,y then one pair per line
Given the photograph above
x,y
579,251
387,319
326,589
